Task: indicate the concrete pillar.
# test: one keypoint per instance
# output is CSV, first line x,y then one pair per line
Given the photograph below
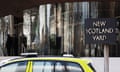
x,y
11,29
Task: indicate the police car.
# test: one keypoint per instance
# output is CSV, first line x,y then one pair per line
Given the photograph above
x,y
47,64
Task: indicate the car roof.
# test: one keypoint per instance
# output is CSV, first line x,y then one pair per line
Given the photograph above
x,y
71,59
4,60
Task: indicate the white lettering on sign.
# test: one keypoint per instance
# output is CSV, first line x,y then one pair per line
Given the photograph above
x,y
99,30
99,23
99,37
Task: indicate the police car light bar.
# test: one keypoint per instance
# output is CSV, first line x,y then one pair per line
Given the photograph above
x,y
68,55
29,54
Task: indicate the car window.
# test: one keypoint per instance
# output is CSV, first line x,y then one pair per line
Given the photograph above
x,y
59,67
42,66
73,67
14,67
56,66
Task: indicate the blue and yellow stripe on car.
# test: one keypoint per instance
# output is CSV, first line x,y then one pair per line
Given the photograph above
x,y
29,66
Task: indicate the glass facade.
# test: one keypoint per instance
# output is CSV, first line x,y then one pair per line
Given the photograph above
x,y
61,27
57,28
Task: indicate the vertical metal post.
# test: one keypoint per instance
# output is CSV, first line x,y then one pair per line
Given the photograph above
x,y
106,58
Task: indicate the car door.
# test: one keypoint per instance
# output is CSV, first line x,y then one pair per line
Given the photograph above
x,y
20,66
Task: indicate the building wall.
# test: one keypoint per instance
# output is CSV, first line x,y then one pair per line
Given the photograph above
x,y
66,21
59,27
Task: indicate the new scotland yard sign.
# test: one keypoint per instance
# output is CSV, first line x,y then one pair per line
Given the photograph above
x,y
100,31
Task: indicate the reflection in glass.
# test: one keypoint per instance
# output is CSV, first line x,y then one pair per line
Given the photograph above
x,y
61,27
